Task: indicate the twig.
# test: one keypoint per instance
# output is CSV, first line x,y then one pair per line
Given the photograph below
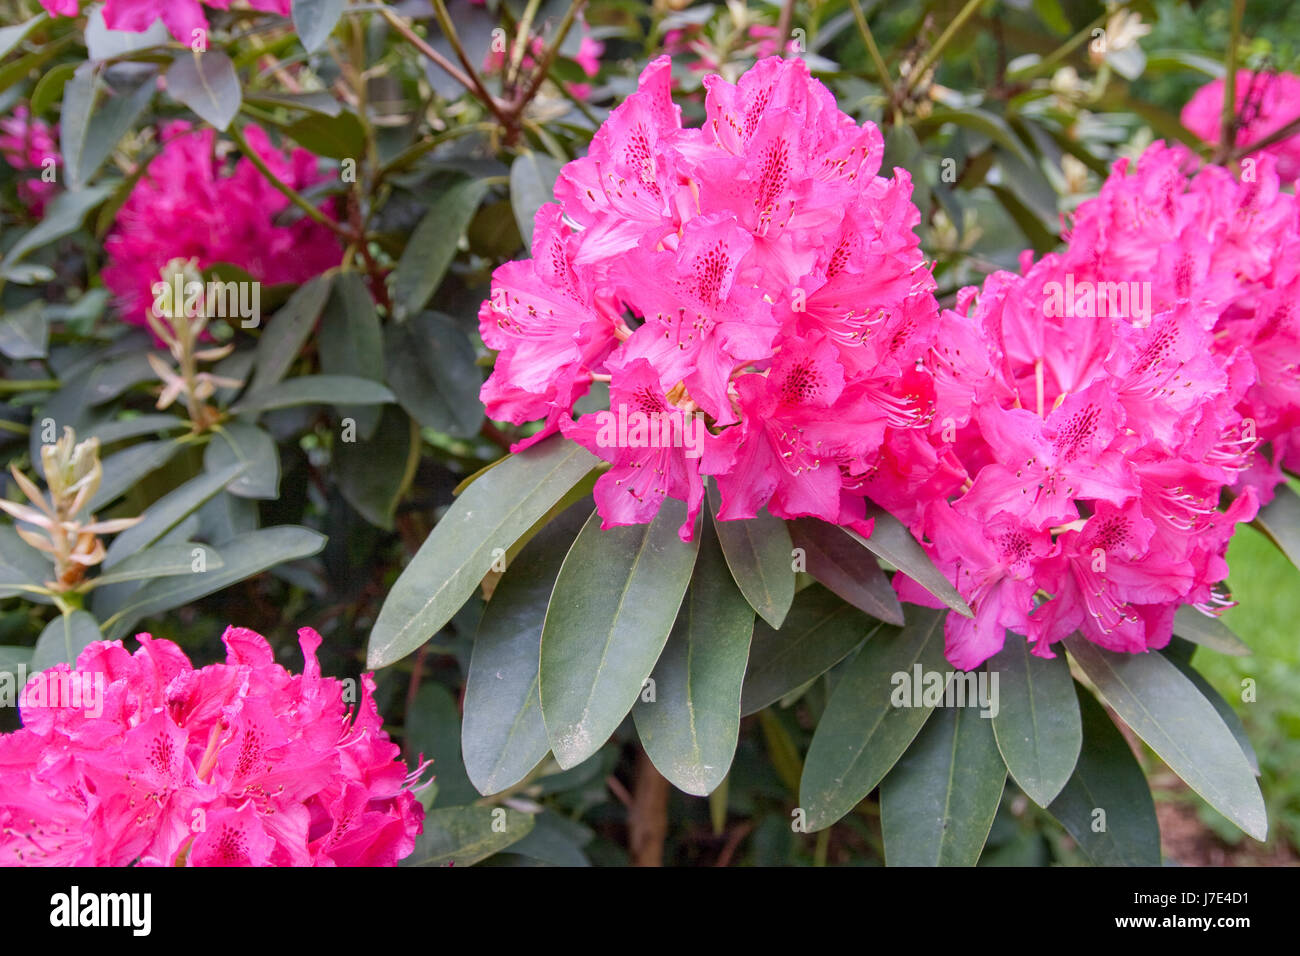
x,y
544,67
1285,132
783,24
1228,118
874,50
932,54
284,188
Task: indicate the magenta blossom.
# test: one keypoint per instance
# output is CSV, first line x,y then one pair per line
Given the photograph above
x,y
755,275
191,204
185,19
140,758
1266,102
28,145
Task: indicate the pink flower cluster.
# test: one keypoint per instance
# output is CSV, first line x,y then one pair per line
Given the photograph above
x,y
28,145
755,274
191,204
1094,409
182,17
234,764
1266,102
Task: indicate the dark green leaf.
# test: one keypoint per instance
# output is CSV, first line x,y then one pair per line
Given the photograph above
x,y
818,633
1037,722
690,728
1164,708
315,21
461,836
612,609
483,522
121,429
208,84
432,372
1208,631
373,475
1280,520
239,443
1107,806
245,555
283,339
338,137
25,333
843,565
432,247
10,37
314,390
125,469
938,803
352,342
863,731
504,736
160,561
1221,706
63,639
532,185
89,127
893,542
758,553
433,729
165,513
62,217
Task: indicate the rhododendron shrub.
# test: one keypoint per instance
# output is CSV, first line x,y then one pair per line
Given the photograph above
x,y
143,758
28,145
756,271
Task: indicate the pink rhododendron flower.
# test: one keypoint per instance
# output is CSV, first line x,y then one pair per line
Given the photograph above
x,y
234,764
28,145
191,204
1093,409
755,273
1265,103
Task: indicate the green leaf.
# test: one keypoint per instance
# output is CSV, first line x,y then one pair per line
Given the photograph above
x,y
937,804
461,836
819,632
758,553
432,247
1280,520
532,185
208,84
1109,779
503,736
1163,707
160,561
89,129
432,372
315,21
891,540
62,217
489,517
125,469
122,429
373,475
10,37
862,732
245,555
1037,721
239,443
433,729
63,639
311,101
1210,632
612,609
980,121
21,566
352,342
284,338
24,332
1221,706
1039,236
314,390
15,660
338,137
167,512
691,727
843,565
